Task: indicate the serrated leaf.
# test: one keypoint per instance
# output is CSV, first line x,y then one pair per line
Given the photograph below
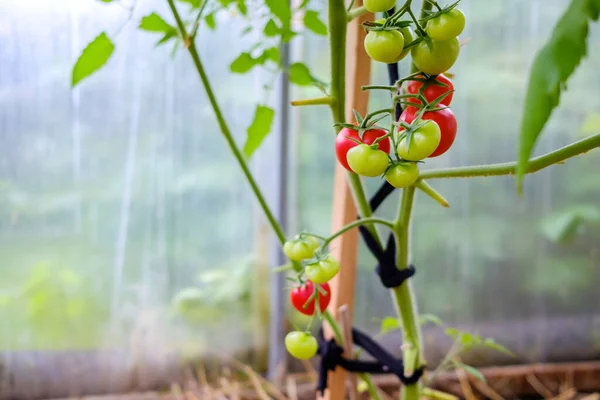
x,y
92,58
314,23
210,21
281,9
491,343
259,129
155,23
242,64
551,68
271,29
300,74
389,324
470,370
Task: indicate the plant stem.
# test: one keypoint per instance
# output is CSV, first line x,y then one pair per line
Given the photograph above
x,y
356,12
403,294
431,192
313,102
227,132
535,164
359,222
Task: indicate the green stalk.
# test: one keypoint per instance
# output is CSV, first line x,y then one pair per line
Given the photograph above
x,y
363,221
535,164
227,132
404,297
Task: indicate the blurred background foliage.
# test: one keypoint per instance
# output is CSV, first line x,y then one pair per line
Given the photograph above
x,y
118,195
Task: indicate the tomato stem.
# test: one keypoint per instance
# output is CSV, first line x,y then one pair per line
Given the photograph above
x,y
431,192
359,222
356,12
326,100
226,131
535,164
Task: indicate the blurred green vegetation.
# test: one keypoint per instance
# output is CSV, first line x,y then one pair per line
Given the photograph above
x,y
71,219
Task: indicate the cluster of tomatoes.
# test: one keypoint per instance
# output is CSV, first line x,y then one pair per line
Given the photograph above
x,y
427,126
312,294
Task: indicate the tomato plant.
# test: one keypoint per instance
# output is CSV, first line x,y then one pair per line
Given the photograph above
x,y
432,89
323,270
379,5
439,58
301,345
367,161
402,174
303,297
301,248
384,46
446,26
422,143
347,138
446,121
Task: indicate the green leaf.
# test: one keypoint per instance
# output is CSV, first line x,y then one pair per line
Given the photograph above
x,y
193,3
92,58
272,53
271,29
491,343
210,21
300,74
155,23
281,9
563,227
259,129
389,324
168,36
551,68
241,6
242,64
314,23
470,370
430,318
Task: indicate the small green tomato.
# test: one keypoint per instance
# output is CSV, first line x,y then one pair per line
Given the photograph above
x,y
323,270
423,142
301,248
367,161
301,345
402,174
384,46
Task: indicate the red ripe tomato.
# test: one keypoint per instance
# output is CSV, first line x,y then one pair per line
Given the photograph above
x,y
446,121
343,144
432,91
300,295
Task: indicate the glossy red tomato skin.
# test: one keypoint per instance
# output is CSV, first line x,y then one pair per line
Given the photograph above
x,y
432,91
343,144
444,118
300,295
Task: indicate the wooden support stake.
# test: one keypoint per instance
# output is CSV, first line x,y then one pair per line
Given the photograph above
x,y
344,248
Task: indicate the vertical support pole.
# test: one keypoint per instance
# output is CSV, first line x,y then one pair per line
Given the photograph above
x,y
344,248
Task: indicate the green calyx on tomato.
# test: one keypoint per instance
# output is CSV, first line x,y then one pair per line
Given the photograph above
x,y
446,25
367,160
402,174
436,58
432,89
301,345
375,6
384,45
305,296
418,141
322,270
349,137
301,248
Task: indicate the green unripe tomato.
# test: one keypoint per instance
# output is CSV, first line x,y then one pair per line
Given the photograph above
x,y
301,248
322,271
301,345
384,46
439,59
402,175
423,143
367,161
446,26
375,6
